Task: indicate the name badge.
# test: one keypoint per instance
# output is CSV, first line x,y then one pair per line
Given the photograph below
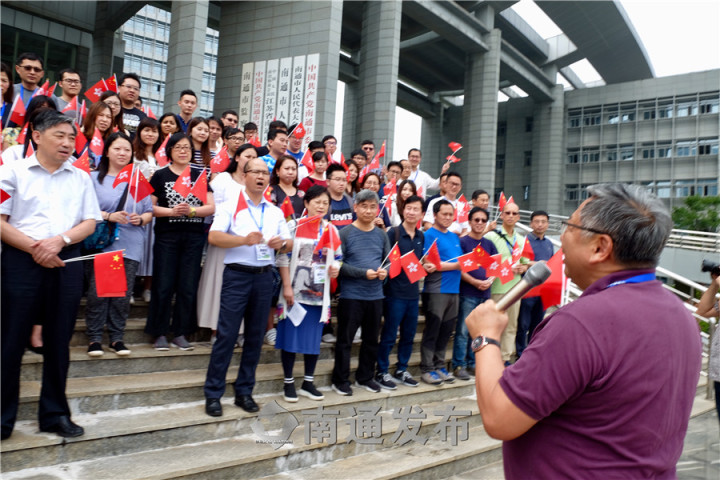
x,y
319,274
263,252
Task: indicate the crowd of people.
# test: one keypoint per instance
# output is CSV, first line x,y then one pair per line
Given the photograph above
x,y
259,255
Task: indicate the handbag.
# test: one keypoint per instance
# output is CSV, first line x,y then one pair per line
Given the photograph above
x,y
106,232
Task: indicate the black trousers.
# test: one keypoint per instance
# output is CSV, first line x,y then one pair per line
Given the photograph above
x,y
351,315
32,294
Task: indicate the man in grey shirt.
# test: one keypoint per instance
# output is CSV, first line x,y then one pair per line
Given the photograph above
x,y
361,297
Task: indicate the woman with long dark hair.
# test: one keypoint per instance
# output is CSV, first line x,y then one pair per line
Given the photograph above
x,y
199,133
405,190
284,184
146,143
118,206
179,240
98,117
112,100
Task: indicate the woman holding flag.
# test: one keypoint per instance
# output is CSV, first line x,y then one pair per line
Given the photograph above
x,y
284,184
125,207
97,124
314,260
180,209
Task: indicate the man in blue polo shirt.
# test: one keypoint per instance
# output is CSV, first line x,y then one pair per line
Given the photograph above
x,y
531,308
440,296
401,301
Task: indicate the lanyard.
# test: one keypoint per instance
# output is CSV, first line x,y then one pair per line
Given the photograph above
x,y
645,277
262,216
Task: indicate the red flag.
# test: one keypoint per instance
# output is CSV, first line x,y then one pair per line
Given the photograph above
x,y
308,227
43,90
329,238
80,142
110,278
51,90
123,175
287,208
468,262
111,84
551,290
150,113
161,154
412,267
241,205
365,170
83,163
200,187
454,146
140,187
493,267
183,184
83,112
482,257
510,200
516,252
420,191
4,195
506,273
255,141
395,264
30,151
527,250
96,143
433,255
299,131
452,159
93,93
267,194
375,164
463,208
502,202
388,206
220,162
390,187
17,112
308,161
71,106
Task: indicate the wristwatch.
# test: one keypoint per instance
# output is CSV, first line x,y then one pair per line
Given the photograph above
x,y
66,239
481,342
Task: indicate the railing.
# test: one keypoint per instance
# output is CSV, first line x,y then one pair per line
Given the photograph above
x,y
689,300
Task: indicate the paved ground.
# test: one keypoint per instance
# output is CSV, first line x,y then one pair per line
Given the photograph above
x,y
700,459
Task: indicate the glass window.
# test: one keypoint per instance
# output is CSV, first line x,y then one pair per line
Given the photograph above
x,y
707,187
571,192
684,188
500,162
627,153
573,156
708,106
526,192
664,189
686,149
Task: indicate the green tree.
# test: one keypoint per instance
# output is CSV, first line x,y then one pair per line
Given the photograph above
x,y
698,213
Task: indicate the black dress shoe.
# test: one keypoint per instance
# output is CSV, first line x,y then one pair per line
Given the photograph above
x,y
64,427
247,403
213,407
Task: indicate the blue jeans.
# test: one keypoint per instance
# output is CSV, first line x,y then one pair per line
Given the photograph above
x,y
403,314
463,355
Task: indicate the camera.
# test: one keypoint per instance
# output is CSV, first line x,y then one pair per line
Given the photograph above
x,y
710,266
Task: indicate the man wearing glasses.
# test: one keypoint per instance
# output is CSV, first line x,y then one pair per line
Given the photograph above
x,y
30,68
505,239
71,84
129,92
252,237
606,386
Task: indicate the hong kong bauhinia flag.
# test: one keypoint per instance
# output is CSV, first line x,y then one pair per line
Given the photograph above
x,y
299,131
161,154
17,112
221,161
93,93
468,262
412,267
96,143
183,184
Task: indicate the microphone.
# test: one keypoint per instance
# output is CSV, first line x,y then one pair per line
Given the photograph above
x,y
534,276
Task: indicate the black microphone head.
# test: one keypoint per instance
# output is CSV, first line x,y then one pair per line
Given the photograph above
x,y
537,274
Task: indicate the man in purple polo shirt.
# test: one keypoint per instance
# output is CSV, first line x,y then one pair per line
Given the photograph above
x,y
605,387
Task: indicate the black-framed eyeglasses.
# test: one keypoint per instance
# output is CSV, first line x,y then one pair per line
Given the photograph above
x,y
566,224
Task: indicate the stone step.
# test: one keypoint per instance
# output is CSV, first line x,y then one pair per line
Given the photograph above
x,y
138,435
145,359
115,392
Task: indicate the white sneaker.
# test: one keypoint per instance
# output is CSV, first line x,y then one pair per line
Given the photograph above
x,y
146,296
270,336
358,336
132,300
240,340
329,338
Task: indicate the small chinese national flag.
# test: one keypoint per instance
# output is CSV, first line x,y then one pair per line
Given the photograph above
x,y
111,84
80,142
161,154
30,151
482,257
454,146
412,267
17,112
551,290
394,259
329,238
527,250
140,187
299,131
308,161
241,205
433,255
255,141
221,161
308,227
183,184
510,200
93,93
200,187
468,262
110,278
83,163
502,201
96,143
375,164
287,208
267,194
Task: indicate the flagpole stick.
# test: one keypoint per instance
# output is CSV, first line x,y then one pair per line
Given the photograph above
x,y
88,257
421,258
137,181
388,256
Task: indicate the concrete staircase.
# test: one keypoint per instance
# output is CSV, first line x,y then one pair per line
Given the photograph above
x,y
144,419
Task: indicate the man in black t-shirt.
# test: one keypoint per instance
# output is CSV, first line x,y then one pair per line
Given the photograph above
x,y
129,92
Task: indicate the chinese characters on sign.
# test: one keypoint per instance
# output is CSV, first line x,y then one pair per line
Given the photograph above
x,y
280,89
